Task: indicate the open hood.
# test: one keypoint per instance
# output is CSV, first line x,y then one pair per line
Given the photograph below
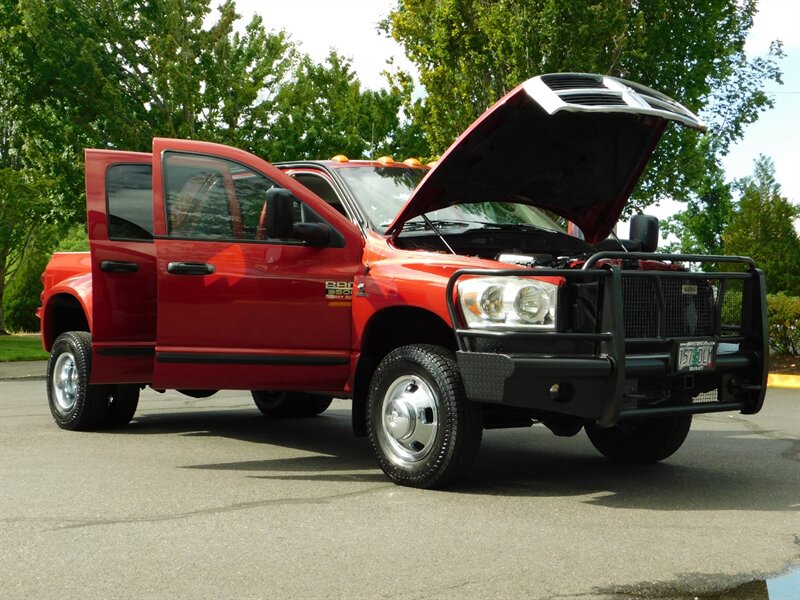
x,y
574,144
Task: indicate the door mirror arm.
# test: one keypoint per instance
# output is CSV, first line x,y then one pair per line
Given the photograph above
x,y
313,234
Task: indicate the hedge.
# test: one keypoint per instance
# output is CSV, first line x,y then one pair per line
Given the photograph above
x,y
21,296
783,313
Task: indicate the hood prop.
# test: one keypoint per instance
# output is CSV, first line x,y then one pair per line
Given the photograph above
x,y
437,232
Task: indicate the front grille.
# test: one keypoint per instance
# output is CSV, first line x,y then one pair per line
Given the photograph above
x,y
688,307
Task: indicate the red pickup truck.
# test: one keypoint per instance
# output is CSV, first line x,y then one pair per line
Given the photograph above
x,y
441,300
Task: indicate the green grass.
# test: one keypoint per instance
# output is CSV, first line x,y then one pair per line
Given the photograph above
x,y
26,346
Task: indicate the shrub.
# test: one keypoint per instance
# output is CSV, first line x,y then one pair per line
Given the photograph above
x,y
22,294
783,313
21,297
74,239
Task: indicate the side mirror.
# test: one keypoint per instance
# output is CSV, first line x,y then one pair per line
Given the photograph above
x,y
280,213
644,229
280,221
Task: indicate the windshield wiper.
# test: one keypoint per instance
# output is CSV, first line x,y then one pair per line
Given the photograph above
x,y
433,224
517,227
428,225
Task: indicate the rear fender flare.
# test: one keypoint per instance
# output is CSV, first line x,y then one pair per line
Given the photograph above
x,y
56,301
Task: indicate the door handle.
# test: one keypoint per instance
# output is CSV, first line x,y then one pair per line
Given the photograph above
x,y
118,266
190,268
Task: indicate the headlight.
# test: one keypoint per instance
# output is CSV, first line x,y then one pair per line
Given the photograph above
x,y
508,303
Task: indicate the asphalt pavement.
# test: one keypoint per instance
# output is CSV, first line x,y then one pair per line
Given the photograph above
x,y
208,499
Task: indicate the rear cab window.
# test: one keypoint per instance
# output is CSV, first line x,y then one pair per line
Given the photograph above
x,y
129,197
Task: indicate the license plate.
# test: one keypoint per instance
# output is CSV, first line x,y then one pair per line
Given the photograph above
x,y
695,356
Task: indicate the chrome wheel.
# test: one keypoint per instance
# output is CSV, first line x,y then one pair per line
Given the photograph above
x,y
65,381
423,430
410,420
75,403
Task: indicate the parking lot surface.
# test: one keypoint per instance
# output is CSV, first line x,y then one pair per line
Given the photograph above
x,y
207,498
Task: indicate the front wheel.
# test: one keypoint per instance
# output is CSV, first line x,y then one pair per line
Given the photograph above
x,y
423,430
641,441
290,404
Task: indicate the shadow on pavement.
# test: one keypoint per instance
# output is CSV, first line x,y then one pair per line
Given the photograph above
x,y
715,470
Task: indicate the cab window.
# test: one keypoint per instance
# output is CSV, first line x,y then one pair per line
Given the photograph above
x,y
213,198
322,188
129,195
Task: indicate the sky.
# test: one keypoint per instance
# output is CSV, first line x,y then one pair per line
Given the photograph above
x,y
350,27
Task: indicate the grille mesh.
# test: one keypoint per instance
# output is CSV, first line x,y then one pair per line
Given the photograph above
x,y
688,306
639,308
706,397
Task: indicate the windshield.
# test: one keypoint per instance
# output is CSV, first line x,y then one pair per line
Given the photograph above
x,y
382,191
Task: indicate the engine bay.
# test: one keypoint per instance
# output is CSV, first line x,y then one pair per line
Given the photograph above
x,y
525,248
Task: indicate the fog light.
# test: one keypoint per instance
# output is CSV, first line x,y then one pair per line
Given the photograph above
x,y
555,391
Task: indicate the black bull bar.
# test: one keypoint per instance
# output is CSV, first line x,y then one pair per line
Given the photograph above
x,y
591,371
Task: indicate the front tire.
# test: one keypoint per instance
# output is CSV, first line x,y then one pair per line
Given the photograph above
x,y
286,405
423,430
74,404
642,441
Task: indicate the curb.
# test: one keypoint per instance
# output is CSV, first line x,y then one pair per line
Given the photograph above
x,y
27,369
779,380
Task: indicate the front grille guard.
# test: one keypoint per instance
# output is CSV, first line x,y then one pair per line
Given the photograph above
x,y
608,340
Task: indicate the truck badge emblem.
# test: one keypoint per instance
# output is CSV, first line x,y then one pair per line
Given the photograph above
x,y
338,290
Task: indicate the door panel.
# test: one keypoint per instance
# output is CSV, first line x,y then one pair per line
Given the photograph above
x,y
234,310
120,214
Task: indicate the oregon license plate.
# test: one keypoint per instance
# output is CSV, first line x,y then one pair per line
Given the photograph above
x,y
695,356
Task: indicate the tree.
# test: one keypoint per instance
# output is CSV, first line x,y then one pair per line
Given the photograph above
x,y
22,293
91,73
116,73
322,111
22,205
762,226
699,228
470,52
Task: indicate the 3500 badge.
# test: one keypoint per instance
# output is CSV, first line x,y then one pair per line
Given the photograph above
x,y
339,290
